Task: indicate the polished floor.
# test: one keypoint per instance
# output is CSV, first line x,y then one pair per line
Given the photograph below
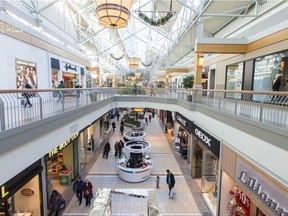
x,y
103,174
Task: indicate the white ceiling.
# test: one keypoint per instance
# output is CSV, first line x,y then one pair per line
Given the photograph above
x,y
169,45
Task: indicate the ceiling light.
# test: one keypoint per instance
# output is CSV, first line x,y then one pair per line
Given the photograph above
x,y
133,62
113,13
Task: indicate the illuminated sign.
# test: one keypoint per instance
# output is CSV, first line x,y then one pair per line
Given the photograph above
x,y
263,189
62,145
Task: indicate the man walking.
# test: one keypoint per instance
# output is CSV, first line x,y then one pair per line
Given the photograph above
x,y
106,150
170,181
78,188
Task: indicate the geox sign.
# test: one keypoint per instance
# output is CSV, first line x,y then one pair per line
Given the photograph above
x,y
203,137
182,121
206,139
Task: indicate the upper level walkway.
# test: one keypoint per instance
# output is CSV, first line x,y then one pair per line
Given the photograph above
x,y
269,108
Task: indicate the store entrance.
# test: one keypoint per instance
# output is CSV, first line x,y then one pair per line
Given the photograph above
x,y
197,161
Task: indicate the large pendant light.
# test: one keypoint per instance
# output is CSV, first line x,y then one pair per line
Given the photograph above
x,y
113,13
133,62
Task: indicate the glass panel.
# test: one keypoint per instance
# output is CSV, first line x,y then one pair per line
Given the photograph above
x,y
210,179
234,78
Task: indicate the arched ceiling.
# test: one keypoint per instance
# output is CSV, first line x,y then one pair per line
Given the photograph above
x,y
168,45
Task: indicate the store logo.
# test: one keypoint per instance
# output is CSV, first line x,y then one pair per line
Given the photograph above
x,y
27,192
256,188
62,145
70,67
203,137
4,192
182,121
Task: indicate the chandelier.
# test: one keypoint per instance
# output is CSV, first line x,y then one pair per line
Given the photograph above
x,y
113,13
133,62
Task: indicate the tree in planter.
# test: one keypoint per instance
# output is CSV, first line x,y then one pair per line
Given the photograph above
x,y
188,82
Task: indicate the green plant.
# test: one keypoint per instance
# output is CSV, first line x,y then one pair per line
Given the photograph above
x,y
188,81
161,21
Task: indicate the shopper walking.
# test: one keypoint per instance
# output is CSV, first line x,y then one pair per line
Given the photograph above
x,y
107,149
78,189
87,192
146,121
120,147
113,126
118,116
27,96
170,181
61,93
157,182
149,117
116,148
55,202
121,129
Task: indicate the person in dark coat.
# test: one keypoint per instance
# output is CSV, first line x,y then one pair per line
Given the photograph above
x,y
107,149
113,126
55,202
116,148
78,188
87,192
27,96
170,181
120,147
121,129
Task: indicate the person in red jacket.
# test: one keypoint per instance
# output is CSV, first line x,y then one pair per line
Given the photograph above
x,y
87,192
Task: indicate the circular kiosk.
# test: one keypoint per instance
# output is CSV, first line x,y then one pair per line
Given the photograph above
x,y
134,136
135,166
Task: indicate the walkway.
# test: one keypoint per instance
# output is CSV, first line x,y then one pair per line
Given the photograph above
x,y
102,173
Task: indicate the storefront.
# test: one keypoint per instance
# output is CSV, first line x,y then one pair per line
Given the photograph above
x,y
248,191
183,137
89,141
205,165
62,165
23,193
70,74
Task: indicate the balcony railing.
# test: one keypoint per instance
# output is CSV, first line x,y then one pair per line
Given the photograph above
x,y
265,107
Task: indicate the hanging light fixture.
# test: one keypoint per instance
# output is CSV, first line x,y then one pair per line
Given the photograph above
x,y
113,13
133,62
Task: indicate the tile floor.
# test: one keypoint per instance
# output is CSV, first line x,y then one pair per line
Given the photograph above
x,y
102,173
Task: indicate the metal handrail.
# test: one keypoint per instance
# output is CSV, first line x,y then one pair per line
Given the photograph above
x,y
266,107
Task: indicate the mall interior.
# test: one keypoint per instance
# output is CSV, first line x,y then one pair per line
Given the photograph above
x,y
203,83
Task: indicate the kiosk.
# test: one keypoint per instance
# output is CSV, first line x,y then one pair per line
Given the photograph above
x,y
135,166
134,136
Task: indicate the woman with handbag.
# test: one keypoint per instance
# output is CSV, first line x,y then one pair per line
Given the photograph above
x,y
87,192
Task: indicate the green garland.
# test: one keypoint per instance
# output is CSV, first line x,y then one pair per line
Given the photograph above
x,y
146,65
117,59
158,22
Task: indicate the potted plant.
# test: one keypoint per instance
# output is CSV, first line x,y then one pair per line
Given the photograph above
x,y
188,82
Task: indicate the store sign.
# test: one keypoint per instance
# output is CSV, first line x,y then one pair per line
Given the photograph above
x,y
184,122
263,189
203,137
209,141
62,145
27,192
69,68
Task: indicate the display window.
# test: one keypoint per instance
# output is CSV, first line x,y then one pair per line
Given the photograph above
x,y
22,195
266,69
234,78
70,79
205,166
239,204
62,165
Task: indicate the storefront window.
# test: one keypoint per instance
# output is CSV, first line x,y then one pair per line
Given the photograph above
x,y
234,77
26,200
209,183
266,69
